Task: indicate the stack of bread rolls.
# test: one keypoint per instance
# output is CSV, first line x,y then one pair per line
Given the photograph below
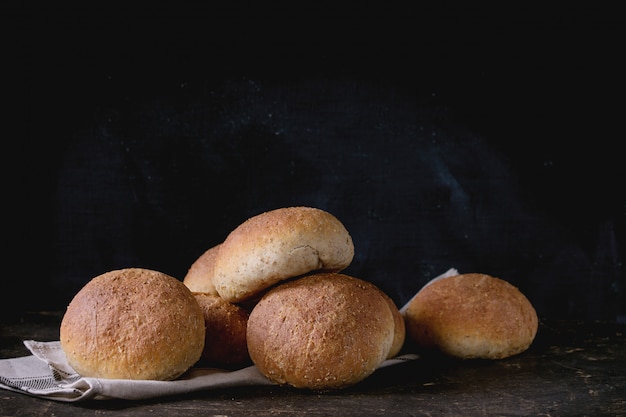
x,y
309,326
272,293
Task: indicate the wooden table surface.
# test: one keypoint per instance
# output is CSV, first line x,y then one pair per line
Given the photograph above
x,y
572,369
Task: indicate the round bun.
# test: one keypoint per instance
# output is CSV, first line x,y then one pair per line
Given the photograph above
x,y
199,277
322,331
226,323
472,316
399,327
133,324
277,245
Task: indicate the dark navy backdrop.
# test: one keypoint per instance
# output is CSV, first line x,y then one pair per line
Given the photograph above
x,y
441,138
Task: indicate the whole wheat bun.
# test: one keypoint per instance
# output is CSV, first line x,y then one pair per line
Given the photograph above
x,y
277,245
199,277
323,331
472,316
226,323
399,326
133,324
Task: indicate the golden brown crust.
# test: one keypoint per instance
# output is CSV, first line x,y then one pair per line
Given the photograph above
x,y
199,277
133,324
226,323
399,333
472,316
322,331
278,245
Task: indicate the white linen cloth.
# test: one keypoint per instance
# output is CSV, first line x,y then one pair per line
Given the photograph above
x,y
46,374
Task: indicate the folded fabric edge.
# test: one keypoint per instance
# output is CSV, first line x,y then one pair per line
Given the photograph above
x,y
449,273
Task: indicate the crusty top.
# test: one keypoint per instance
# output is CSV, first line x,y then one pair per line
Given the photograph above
x,y
199,277
322,331
133,324
277,245
472,316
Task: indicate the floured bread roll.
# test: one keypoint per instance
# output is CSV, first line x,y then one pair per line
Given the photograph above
x,y
277,245
472,316
225,342
199,277
322,331
133,324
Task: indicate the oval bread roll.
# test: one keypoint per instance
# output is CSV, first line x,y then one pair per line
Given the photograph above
x,y
472,316
133,324
322,331
226,323
199,277
399,326
277,245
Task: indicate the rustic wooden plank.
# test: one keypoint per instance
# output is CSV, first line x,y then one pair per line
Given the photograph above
x,y
573,368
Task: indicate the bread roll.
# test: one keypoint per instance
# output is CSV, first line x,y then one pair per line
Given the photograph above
x,y
322,331
133,324
277,245
226,323
472,316
399,327
199,277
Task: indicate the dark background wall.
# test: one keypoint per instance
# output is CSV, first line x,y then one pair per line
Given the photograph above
x,y
485,140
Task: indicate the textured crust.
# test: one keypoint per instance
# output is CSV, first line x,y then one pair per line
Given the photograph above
x,y
226,323
322,331
399,325
277,245
199,277
472,316
133,324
